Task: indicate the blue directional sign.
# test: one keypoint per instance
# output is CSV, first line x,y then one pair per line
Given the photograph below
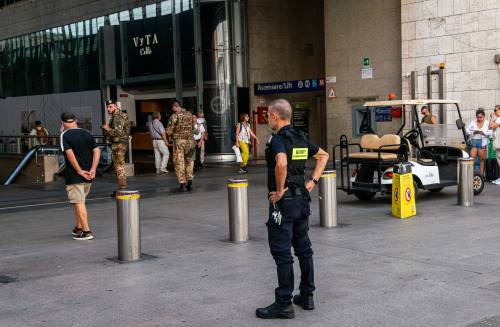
x,y
303,85
383,114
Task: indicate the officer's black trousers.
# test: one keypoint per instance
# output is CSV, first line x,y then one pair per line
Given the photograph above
x,y
293,231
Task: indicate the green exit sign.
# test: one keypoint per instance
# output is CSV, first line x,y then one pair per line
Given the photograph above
x,y
366,61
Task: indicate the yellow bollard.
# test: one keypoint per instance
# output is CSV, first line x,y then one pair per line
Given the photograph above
x,y
403,193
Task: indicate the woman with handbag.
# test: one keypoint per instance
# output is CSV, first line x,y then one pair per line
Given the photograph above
x,y
479,131
244,135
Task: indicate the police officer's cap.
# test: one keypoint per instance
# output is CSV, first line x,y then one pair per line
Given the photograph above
x,y
110,101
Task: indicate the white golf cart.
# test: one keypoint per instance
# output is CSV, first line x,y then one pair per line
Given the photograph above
x,y
366,168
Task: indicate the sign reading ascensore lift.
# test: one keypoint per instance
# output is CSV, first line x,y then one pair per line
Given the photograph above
x,y
303,85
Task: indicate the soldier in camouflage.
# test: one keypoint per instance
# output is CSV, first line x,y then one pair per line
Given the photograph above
x,y
118,132
180,130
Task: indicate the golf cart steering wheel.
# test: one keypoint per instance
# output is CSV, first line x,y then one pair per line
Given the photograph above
x,y
412,137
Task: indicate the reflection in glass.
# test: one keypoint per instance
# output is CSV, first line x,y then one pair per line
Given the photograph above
x,y
186,31
137,13
151,10
124,16
113,19
166,7
218,95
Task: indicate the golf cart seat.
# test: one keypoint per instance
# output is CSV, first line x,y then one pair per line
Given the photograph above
x,y
372,146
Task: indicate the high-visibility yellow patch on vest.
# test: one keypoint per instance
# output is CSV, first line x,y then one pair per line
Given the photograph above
x,y
300,153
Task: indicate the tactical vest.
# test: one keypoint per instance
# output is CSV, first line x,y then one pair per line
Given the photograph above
x,y
123,128
297,153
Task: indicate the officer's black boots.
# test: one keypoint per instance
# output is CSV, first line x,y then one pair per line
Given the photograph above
x,y
305,301
181,188
275,311
189,185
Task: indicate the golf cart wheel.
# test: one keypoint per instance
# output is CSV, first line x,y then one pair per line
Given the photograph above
x,y
415,189
364,196
364,175
436,190
478,184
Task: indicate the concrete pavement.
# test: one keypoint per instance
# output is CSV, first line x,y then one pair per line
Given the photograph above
x,y
440,268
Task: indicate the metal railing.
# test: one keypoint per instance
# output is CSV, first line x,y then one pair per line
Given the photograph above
x,y
21,144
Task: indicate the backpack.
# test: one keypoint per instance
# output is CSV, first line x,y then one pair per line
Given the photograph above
x,y
233,133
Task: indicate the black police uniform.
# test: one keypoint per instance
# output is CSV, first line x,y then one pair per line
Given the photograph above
x,y
295,210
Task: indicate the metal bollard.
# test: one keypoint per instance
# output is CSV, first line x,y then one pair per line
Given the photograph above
x,y
465,190
129,229
238,210
328,199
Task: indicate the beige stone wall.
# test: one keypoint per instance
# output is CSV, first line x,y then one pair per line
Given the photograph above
x,y
465,35
353,30
278,31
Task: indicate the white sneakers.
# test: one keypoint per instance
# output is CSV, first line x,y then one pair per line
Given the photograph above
x,y
497,181
161,171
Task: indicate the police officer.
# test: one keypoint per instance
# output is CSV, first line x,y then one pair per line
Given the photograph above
x,y
118,132
286,155
181,130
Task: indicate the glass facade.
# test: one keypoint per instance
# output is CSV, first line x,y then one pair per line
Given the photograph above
x,y
57,60
173,45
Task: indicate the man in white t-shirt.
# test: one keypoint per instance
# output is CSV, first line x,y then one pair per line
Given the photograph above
x,y
495,126
199,139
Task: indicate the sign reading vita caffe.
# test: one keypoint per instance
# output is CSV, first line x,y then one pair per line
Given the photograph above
x,y
147,47
145,43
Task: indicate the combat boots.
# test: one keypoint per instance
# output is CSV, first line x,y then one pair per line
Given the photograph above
x,y
276,311
181,188
305,301
189,185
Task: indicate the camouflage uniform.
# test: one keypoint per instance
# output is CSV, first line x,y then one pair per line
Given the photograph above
x,y
180,129
118,135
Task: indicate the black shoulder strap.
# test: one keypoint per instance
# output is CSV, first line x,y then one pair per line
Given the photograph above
x,y
153,125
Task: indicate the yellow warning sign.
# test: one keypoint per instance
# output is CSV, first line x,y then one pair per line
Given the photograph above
x,y
403,196
300,153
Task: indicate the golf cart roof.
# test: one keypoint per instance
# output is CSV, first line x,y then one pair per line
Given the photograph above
x,y
408,102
